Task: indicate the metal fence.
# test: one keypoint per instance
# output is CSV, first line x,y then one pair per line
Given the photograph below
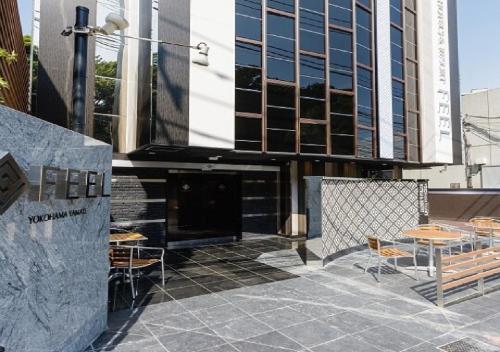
x,y
352,209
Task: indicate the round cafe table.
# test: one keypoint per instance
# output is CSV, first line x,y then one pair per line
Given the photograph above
x,y
431,236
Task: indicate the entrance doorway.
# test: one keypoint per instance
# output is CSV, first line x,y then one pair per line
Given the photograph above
x,y
203,206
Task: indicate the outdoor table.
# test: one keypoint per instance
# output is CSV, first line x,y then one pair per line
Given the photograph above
x,y
117,238
431,236
490,225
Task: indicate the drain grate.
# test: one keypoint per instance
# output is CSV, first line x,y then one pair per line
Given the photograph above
x,y
463,345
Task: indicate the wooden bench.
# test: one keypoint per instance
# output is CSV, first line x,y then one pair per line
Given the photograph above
x,y
463,269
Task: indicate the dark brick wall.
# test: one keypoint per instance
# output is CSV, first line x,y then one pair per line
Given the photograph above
x,y
259,203
128,192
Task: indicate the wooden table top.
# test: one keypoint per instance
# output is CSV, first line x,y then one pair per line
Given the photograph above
x,y
433,234
125,237
486,225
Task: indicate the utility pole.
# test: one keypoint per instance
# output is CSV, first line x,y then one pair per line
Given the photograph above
x,y
468,171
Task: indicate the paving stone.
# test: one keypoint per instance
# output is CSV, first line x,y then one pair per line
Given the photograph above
x,y
147,345
386,338
317,310
240,329
416,329
255,306
282,317
351,322
223,348
244,346
312,333
185,321
219,314
344,344
191,341
276,339
202,302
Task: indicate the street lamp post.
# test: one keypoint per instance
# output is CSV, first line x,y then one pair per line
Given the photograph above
x,y
77,121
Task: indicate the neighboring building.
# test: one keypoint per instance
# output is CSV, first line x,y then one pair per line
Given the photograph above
x,y
481,146
294,88
16,73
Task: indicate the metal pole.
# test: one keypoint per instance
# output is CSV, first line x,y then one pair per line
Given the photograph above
x,y
77,122
439,278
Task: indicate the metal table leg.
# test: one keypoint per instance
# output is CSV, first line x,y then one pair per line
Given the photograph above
x,y
431,259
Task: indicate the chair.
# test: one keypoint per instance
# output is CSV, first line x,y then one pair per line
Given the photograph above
x,y
388,253
125,259
483,229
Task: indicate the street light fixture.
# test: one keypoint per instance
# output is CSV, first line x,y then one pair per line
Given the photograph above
x,y
82,30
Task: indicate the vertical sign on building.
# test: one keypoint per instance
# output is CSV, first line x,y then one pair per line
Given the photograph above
x,y
444,147
435,89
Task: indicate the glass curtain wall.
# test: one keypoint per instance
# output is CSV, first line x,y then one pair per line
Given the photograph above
x,y
300,86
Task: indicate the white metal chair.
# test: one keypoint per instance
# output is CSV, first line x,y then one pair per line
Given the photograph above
x,y
125,259
388,253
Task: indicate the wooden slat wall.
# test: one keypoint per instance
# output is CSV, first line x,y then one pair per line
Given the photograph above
x,y
17,73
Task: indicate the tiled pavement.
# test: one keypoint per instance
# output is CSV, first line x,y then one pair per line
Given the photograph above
x,y
338,308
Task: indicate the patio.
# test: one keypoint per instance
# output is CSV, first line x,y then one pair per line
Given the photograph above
x,y
256,296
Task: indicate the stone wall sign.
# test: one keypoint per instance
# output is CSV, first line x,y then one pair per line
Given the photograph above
x,y
54,229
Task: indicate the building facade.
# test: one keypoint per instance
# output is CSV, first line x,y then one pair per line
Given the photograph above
x,y
481,146
348,88
16,73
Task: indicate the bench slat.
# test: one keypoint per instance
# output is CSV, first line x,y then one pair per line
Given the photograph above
x,y
469,279
486,258
470,254
473,270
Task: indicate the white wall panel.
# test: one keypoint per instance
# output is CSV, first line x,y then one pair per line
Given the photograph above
x,y
211,93
384,79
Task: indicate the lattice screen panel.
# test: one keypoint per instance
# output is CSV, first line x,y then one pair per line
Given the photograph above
x,y
355,208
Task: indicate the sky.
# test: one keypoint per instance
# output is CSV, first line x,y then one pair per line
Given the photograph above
x,y
478,40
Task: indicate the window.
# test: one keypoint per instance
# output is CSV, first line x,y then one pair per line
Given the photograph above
x,y
312,138
341,60
412,100
364,36
365,143
280,118
397,52
282,5
312,87
365,97
399,148
366,3
342,124
280,48
312,26
248,133
398,107
397,12
248,78
248,19
340,13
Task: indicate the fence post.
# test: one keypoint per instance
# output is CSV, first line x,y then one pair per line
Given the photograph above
x,y
480,282
439,278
